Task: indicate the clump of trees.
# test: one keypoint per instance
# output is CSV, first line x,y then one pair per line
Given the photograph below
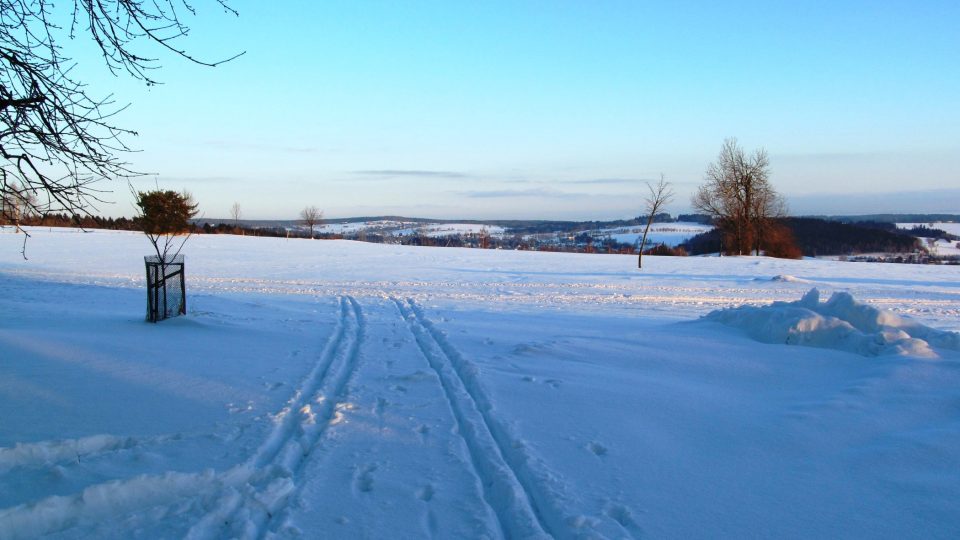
x,y
932,232
740,199
664,250
824,237
794,237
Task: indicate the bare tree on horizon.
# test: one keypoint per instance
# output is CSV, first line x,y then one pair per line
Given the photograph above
x,y
311,216
660,195
740,198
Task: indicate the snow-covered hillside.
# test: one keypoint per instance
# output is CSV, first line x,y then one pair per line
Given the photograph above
x,y
671,234
939,246
335,389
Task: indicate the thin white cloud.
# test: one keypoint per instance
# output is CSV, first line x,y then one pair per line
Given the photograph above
x,y
413,173
514,193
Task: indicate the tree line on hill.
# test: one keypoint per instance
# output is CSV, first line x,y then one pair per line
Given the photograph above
x,y
791,237
136,224
819,237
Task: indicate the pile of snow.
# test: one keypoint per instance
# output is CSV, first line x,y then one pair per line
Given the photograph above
x,y
787,278
840,323
51,452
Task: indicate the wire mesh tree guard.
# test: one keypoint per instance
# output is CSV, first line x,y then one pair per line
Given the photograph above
x,y
166,287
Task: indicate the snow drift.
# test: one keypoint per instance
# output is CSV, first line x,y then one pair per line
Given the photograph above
x,y
840,323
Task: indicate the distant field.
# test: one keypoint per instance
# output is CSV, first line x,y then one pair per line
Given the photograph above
x,y
941,247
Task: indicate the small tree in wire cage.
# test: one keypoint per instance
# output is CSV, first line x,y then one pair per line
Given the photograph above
x,y
164,217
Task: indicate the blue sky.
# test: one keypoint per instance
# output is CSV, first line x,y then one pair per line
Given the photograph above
x,y
549,109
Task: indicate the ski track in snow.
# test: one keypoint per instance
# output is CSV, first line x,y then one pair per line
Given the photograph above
x,y
274,473
245,496
502,489
527,499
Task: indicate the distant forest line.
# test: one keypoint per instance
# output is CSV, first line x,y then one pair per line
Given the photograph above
x,y
812,236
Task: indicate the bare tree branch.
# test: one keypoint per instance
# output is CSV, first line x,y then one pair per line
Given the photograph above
x,y
56,139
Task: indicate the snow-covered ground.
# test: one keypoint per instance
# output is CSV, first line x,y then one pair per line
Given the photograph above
x,y
440,230
942,247
939,246
351,228
671,234
335,389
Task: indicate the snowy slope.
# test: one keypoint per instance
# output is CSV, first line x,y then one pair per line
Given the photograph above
x,y
671,234
341,389
939,246
440,230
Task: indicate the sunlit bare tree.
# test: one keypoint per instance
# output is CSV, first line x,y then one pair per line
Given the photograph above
x,y
740,198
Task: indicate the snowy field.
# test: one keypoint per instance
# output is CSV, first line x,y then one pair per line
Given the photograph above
x,y
441,230
671,234
380,226
407,228
336,389
939,247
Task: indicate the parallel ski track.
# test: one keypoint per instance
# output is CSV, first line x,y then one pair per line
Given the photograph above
x,y
260,488
502,490
525,497
246,496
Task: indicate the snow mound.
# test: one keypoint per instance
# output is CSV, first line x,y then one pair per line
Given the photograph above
x,y
786,278
49,452
840,323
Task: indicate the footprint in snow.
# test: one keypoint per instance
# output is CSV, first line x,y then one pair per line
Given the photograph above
x,y
425,493
622,515
597,448
524,348
364,480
